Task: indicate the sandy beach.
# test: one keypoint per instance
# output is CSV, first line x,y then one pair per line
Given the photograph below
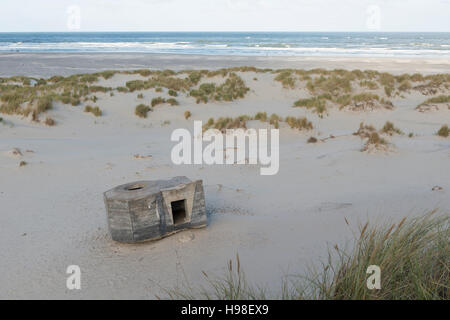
x,y
65,64
52,212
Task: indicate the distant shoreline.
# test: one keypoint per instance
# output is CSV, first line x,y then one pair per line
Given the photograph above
x,y
50,64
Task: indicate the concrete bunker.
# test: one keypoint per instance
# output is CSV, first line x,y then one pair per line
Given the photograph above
x,y
148,210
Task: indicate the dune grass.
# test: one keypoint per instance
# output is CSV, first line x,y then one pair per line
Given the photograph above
x,y
233,88
413,256
318,104
261,116
286,78
390,129
300,123
434,100
142,110
312,140
444,131
172,102
94,110
49,122
28,95
44,103
224,123
157,101
371,134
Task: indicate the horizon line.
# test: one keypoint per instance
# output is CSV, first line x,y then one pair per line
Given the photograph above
x,y
222,31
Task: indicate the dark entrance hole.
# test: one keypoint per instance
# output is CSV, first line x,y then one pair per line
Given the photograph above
x,y
135,187
179,211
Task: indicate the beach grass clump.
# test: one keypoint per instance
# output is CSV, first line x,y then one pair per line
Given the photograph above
x,y
194,77
333,85
233,88
364,101
108,74
411,254
318,104
405,85
122,89
364,130
88,78
300,123
94,110
375,139
232,286
142,110
435,100
172,93
44,103
172,102
94,89
444,131
134,85
187,114
275,120
372,85
417,77
143,72
365,97
67,98
287,78
49,122
312,140
343,100
261,116
168,81
224,123
157,101
204,92
388,90
390,129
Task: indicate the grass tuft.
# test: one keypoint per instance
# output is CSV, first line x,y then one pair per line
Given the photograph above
x,y
390,129
301,123
157,101
49,122
444,131
142,110
94,110
413,256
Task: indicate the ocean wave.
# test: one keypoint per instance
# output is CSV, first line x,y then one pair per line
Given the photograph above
x,y
227,48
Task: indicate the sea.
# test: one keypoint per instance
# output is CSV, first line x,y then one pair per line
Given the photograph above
x,y
369,44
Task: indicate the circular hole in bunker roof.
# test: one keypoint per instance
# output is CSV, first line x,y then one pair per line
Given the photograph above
x,y
135,187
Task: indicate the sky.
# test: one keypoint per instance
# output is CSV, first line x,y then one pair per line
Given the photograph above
x,y
224,15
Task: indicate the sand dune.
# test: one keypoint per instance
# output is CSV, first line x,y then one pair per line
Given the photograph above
x,y
52,209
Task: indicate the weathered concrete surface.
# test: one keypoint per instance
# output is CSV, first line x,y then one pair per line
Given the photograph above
x,y
148,210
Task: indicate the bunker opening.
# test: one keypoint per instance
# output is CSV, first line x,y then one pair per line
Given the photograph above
x,y
135,187
179,211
